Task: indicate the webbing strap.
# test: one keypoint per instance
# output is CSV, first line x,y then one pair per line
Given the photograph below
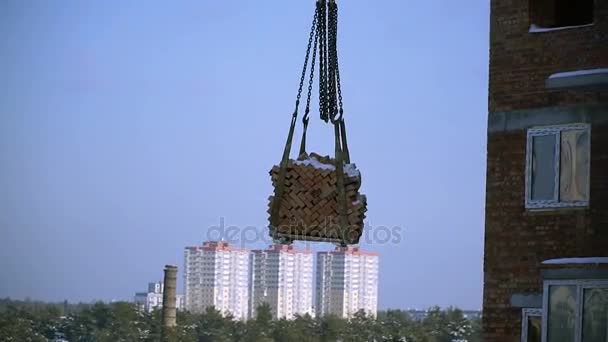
x,y
304,130
280,187
344,143
341,193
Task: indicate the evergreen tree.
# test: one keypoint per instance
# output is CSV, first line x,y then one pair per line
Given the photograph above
x,y
214,327
260,328
122,322
18,325
331,328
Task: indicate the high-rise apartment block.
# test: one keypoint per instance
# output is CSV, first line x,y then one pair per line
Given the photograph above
x,y
281,276
237,281
216,274
347,281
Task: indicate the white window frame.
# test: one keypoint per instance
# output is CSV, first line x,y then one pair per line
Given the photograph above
x,y
555,202
581,286
525,314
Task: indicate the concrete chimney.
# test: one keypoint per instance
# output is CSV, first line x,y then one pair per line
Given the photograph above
x,y
169,302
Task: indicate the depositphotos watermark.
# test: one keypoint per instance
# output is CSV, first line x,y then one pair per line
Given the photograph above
x,y
244,235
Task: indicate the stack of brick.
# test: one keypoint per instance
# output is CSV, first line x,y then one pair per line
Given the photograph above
x,y
309,205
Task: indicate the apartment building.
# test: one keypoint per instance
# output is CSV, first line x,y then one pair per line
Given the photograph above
x,y
346,282
282,277
216,274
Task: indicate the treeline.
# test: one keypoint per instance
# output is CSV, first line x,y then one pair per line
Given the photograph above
x,y
115,322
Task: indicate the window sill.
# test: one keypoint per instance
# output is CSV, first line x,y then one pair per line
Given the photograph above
x,y
555,206
537,29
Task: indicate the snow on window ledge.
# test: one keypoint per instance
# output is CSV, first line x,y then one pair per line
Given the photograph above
x,y
578,78
599,71
591,260
538,29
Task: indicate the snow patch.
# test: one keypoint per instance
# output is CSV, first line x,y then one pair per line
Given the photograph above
x,y
314,163
580,73
351,170
592,260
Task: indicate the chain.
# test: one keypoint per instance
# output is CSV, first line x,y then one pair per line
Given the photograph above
x,y
324,33
311,35
336,91
323,61
311,77
331,38
336,61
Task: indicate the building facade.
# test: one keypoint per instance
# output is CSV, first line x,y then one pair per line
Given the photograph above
x,y
153,299
282,277
346,282
216,274
546,221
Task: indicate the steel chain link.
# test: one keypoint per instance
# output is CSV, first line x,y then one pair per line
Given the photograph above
x,y
310,37
324,34
312,73
331,84
323,61
338,85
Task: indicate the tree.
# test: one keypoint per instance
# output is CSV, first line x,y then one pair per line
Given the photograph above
x,y
363,327
259,328
434,326
304,329
396,326
124,322
475,334
187,327
330,328
240,331
18,325
149,325
458,326
282,331
116,322
213,326
80,326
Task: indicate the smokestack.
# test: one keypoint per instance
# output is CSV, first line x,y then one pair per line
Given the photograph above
x,y
169,302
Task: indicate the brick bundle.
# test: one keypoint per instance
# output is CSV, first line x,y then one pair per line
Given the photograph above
x,y
309,206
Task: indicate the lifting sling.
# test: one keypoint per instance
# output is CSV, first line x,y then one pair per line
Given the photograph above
x,y
322,42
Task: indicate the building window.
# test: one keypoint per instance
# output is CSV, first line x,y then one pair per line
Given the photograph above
x,y
557,166
531,323
575,310
561,13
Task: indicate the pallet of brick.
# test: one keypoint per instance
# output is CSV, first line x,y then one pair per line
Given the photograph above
x,y
309,208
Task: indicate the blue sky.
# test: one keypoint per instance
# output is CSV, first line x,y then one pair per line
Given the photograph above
x,y
127,129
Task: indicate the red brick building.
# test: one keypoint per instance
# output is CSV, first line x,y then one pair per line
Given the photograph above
x,y
546,229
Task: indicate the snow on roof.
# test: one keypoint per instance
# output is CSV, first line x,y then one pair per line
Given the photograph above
x,y
536,29
591,260
598,71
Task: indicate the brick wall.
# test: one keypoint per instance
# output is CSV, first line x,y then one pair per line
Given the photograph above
x,y
521,61
518,240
